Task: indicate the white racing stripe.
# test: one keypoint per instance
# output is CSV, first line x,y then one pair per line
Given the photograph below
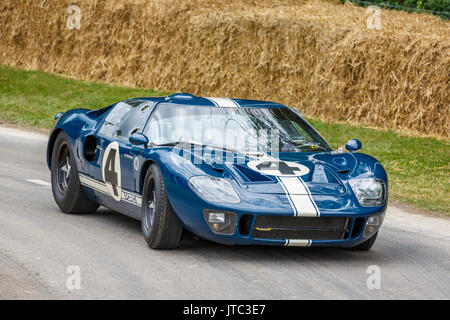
x,y
127,196
298,194
94,184
299,197
224,102
298,242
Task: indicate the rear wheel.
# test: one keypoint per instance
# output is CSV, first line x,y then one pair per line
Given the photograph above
x,y
67,190
366,245
161,227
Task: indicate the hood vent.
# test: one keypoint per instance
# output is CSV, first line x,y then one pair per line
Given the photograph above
x,y
249,175
320,180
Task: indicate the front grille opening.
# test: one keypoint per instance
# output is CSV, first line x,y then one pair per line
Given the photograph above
x,y
289,227
357,227
245,224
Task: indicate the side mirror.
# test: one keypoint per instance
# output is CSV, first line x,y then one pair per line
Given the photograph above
x,y
138,138
353,145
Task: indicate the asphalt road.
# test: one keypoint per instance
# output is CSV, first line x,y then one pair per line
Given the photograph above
x,y
38,244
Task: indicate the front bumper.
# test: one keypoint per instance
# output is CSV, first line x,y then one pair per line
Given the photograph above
x,y
191,211
344,230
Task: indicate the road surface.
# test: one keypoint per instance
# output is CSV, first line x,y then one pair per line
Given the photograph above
x,y
42,250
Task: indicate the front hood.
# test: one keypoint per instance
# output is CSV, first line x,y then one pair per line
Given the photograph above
x,y
314,173
321,187
321,173
271,175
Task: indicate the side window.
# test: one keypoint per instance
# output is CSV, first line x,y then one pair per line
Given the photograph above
x,y
134,121
114,119
160,125
128,118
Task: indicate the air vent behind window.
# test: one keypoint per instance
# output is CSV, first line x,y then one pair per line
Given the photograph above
x,y
90,147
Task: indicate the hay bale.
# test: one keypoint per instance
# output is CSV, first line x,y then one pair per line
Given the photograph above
x,y
316,55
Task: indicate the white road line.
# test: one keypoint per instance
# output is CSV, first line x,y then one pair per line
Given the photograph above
x,y
41,183
23,134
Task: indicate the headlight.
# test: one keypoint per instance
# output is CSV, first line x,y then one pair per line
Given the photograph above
x,y
369,192
214,189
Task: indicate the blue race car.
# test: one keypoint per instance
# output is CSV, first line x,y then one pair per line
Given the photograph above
x,y
232,171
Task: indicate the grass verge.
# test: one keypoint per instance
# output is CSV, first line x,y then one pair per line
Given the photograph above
x,y
33,98
418,167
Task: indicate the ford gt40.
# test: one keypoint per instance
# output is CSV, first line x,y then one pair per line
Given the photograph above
x,y
232,171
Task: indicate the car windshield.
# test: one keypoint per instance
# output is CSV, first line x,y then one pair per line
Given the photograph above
x,y
258,129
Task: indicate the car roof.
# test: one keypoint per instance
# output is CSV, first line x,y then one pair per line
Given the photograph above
x,y
191,100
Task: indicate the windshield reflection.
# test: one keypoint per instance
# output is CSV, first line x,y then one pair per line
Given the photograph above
x,y
256,129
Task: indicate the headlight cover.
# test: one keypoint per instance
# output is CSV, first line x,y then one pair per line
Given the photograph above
x,y
373,223
369,192
221,222
214,189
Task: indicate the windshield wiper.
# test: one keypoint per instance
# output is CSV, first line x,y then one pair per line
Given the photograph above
x,y
194,143
311,146
307,144
175,143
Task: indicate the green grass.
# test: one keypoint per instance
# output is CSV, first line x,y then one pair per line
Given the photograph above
x,y
33,98
418,168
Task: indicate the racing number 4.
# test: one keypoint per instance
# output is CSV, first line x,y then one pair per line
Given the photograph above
x,y
111,170
111,176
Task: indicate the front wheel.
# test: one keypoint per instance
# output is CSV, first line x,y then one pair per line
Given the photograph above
x,y
67,190
161,227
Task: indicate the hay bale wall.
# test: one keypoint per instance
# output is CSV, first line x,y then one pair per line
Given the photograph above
x,y
316,55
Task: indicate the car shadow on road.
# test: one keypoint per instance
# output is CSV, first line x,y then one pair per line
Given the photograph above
x,y
194,246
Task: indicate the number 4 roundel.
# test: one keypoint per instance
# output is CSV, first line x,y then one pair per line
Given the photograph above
x,y
111,170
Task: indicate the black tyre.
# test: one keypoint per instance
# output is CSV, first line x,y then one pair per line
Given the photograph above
x,y
67,190
161,227
366,245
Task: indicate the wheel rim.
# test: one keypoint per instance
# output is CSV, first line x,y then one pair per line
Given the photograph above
x,y
150,206
64,169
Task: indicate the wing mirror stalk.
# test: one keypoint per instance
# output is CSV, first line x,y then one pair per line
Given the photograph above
x,y
139,138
